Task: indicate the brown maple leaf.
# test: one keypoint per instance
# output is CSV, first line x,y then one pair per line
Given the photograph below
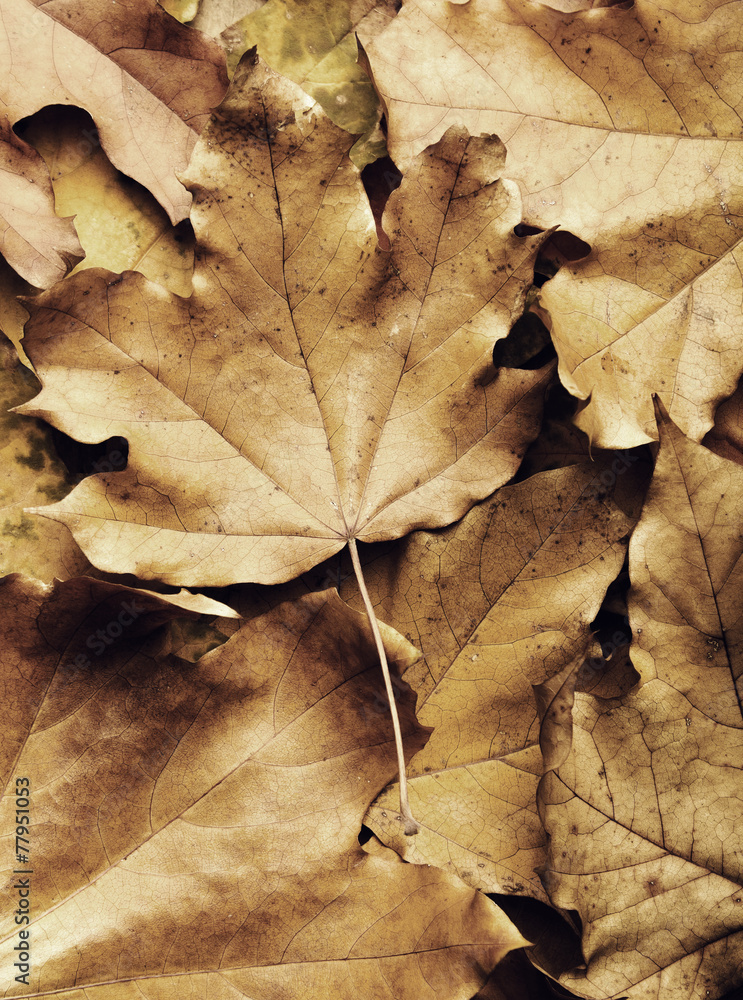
x,y
181,67
148,82
644,811
194,826
498,602
314,388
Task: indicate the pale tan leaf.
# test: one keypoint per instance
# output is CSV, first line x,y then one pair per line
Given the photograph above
x,y
143,136
197,603
622,125
215,15
178,65
314,388
685,577
37,243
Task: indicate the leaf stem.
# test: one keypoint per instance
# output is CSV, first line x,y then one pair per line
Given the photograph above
x,y
411,826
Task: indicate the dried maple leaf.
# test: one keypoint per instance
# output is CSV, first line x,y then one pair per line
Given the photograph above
x,y
645,813
50,63
623,126
314,389
194,827
120,225
498,602
36,242
181,67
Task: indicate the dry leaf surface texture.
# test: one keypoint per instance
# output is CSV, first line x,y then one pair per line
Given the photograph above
x,y
314,388
506,360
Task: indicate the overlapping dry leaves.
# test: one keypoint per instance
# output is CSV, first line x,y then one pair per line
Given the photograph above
x,y
254,379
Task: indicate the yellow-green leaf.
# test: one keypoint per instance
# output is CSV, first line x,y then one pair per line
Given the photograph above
x,y
313,42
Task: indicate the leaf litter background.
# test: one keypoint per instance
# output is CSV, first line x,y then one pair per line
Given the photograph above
x,y
200,788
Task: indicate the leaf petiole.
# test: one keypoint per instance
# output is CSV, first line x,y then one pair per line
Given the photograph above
x,y
411,825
